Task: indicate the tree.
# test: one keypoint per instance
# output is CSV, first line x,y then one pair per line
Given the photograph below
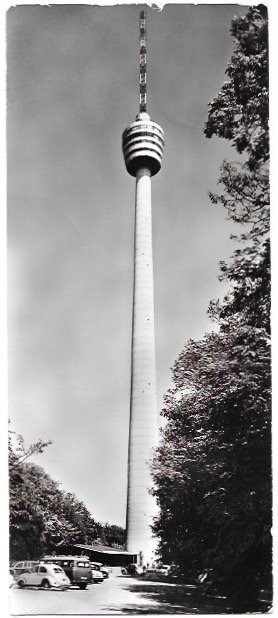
x,y
78,515
26,519
240,113
212,471
113,536
43,517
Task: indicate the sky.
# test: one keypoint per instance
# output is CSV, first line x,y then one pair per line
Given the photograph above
x,y
72,79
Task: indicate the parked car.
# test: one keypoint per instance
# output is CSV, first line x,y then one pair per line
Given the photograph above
x,y
45,576
151,574
163,569
132,569
97,575
98,566
77,568
158,572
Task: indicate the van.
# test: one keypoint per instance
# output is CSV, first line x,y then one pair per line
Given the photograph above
x,y
77,568
21,567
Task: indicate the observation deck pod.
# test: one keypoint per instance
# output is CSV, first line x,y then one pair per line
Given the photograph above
x,y
143,144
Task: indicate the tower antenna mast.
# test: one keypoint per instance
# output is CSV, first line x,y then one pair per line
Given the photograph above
x,y
143,63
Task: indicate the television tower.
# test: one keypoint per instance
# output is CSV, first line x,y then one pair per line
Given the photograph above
x,y
142,143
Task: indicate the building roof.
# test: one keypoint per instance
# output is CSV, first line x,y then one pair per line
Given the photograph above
x,y
103,549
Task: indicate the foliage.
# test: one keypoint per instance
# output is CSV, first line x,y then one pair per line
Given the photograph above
x,y
239,112
113,536
43,517
212,471
26,519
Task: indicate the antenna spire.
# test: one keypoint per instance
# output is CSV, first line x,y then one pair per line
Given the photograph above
x,y
143,63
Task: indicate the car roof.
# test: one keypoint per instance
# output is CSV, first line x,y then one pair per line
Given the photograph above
x,y
25,562
96,569
49,565
65,557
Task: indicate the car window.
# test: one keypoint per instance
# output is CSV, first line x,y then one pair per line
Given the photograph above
x,y
83,564
42,569
36,568
18,565
57,570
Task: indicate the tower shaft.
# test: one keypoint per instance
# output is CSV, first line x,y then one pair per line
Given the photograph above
x,y
141,506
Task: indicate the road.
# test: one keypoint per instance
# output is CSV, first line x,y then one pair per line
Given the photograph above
x,y
116,595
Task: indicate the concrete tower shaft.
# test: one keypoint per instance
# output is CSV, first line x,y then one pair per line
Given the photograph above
x,y
141,506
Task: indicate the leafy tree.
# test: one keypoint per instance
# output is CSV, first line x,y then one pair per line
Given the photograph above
x,y
240,113
113,536
18,453
79,516
57,527
212,471
43,517
26,519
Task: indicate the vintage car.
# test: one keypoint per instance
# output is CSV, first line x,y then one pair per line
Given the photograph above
x,y
97,575
98,566
44,576
132,569
158,572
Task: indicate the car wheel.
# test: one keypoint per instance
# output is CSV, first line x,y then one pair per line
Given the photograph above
x,y
21,583
45,584
82,586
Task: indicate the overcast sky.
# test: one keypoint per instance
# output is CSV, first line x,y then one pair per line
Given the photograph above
x,y
72,90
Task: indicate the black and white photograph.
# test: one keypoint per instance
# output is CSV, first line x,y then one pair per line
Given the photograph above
x,y
138,309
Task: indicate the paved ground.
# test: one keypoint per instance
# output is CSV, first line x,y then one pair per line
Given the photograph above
x,y
116,595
